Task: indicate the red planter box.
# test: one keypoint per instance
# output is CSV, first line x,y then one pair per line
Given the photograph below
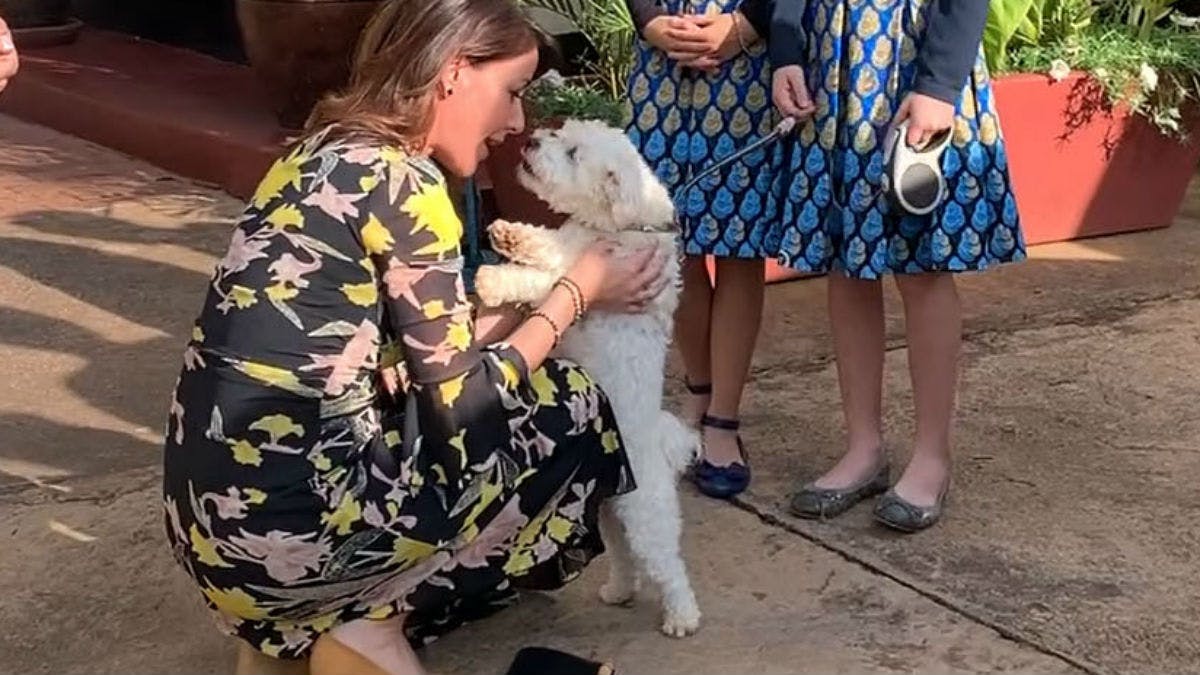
x,y
1081,168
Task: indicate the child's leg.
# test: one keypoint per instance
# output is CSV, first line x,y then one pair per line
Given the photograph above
x,y
737,307
856,319
692,320
933,316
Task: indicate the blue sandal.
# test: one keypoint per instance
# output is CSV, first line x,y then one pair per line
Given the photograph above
x,y
722,482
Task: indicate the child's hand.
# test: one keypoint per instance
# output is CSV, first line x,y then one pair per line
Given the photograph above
x,y
675,36
789,91
927,117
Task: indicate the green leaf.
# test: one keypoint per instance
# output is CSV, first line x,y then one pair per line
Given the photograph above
x,y
1005,18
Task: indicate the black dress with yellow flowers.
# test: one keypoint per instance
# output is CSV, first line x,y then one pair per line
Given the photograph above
x,y
339,446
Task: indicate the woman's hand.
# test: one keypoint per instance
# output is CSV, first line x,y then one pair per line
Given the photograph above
x,y
926,116
789,91
9,63
619,283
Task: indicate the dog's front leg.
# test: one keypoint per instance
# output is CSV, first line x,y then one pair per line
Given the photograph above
x,y
506,284
528,245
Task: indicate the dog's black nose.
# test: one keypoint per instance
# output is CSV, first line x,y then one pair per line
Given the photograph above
x,y
533,143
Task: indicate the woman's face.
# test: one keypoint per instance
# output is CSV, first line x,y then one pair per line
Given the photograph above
x,y
479,105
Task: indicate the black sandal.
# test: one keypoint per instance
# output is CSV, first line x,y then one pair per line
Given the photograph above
x,y
543,661
723,482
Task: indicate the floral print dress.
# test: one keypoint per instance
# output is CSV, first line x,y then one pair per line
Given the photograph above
x,y
339,447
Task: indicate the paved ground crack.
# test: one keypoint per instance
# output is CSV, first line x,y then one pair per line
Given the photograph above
x,y
949,602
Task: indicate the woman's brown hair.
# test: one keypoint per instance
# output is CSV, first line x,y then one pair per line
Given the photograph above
x,y
401,54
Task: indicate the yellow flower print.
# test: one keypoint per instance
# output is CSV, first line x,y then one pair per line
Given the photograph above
x,y
346,514
245,453
270,649
363,295
407,551
205,551
320,462
459,443
511,376
276,377
242,297
197,334
432,210
235,601
452,389
559,528
375,237
281,291
610,441
368,182
287,215
458,335
380,613
578,381
253,496
544,386
283,172
434,309
278,427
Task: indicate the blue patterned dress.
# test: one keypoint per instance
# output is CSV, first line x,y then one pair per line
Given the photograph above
x,y
861,61
683,120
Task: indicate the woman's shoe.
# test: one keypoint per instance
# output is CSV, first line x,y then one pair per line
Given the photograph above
x,y
817,502
722,482
904,516
543,661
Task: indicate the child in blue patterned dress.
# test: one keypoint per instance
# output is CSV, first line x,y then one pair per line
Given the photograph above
x,y
700,91
857,68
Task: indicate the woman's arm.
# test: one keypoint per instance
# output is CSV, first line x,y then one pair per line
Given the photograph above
x,y
951,47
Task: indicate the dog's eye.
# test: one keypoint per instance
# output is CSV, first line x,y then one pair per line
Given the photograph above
x,y
571,152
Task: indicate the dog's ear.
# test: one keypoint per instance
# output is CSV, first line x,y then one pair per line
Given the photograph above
x,y
638,198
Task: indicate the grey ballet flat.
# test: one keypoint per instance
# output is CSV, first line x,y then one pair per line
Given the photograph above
x,y
901,515
816,502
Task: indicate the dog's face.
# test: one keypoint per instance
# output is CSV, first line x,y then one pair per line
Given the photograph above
x,y
592,172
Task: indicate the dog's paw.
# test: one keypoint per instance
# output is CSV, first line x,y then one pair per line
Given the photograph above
x,y
619,594
488,286
522,243
680,622
506,239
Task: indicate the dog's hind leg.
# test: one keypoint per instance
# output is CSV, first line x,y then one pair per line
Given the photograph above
x,y
651,517
622,569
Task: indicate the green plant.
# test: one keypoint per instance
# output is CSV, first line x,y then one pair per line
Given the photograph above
x,y
578,100
608,27
1016,24
1157,76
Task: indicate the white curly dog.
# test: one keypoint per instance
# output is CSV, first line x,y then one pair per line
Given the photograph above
x,y
593,174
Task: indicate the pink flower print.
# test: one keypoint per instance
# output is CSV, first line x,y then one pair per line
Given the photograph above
x,y
286,557
242,251
490,542
335,204
399,280
289,269
230,505
360,352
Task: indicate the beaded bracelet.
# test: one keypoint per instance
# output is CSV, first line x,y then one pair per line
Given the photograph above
x,y
577,298
553,326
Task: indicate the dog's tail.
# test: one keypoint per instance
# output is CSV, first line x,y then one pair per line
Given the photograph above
x,y
679,442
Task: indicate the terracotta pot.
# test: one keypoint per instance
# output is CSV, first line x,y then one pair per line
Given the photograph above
x,y
301,49
1081,168
513,201
40,23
